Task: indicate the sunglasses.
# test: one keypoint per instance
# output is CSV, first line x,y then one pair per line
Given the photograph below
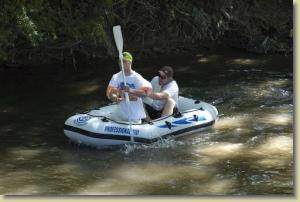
x,y
161,76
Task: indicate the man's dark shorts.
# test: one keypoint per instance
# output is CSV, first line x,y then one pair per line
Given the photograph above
x,y
154,114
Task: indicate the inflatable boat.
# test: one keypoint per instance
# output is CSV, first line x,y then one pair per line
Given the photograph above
x,y
102,126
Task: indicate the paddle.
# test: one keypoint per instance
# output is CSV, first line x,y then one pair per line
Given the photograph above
x,y
119,43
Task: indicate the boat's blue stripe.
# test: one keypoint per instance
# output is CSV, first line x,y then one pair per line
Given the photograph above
x,y
175,133
136,139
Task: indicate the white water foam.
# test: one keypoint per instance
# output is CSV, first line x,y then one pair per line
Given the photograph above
x,y
169,142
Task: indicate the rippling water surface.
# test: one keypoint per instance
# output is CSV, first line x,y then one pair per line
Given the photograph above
x,y
249,151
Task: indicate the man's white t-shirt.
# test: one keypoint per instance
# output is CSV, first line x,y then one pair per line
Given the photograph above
x,y
170,88
133,111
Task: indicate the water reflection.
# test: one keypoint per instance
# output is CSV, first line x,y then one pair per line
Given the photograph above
x,y
86,88
207,58
274,148
23,153
245,61
237,121
277,119
249,150
152,178
214,152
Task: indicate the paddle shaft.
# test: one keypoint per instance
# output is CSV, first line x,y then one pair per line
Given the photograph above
x,y
119,42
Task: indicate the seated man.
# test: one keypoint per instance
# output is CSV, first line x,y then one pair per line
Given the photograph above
x,y
136,88
163,100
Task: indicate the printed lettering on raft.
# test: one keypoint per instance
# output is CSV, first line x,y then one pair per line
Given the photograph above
x,y
113,129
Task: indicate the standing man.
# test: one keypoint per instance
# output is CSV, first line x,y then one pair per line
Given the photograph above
x,y
163,101
136,88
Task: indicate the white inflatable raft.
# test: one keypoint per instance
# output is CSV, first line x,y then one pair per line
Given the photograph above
x,y
102,127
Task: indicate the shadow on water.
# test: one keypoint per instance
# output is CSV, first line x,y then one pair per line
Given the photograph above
x,y
249,150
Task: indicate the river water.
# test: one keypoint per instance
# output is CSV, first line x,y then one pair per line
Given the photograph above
x,y
249,151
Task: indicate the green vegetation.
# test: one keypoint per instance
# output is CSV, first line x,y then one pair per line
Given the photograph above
x,y
42,31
